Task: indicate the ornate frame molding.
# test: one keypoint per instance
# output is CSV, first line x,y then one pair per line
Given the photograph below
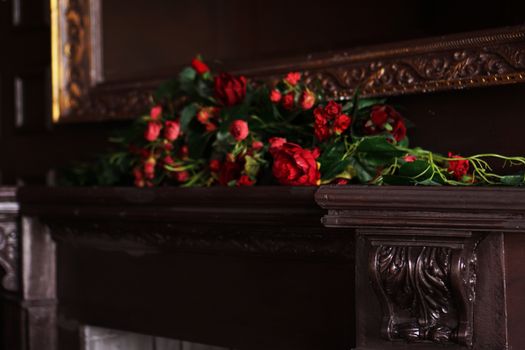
x,y
486,58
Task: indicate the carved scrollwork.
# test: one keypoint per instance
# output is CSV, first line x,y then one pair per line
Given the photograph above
x,y
426,292
9,255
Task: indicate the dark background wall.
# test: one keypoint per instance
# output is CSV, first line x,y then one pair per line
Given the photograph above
x,y
470,121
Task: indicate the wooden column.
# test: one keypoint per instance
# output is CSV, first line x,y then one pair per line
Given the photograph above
x,y
430,263
28,283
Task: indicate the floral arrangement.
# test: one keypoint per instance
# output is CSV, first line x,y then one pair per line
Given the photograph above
x,y
205,129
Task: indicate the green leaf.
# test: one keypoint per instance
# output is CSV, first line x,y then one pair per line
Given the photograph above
x,y
512,180
380,146
197,143
397,180
186,115
363,173
369,102
418,170
251,167
331,169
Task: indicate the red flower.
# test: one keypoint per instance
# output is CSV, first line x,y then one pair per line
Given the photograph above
x,y
257,145
288,101
239,129
307,100
458,168
230,171
293,78
203,115
333,109
182,176
295,166
276,143
341,123
155,112
275,96
149,168
215,165
168,160
382,115
184,152
321,130
210,127
245,180
152,131
409,158
340,181
379,115
230,90
199,66
171,130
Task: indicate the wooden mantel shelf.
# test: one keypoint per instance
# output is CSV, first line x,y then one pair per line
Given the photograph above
x,y
335,267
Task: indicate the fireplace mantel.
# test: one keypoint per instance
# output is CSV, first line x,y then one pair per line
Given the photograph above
x,y
285,268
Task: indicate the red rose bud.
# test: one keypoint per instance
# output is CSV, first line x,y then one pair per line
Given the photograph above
x,y
321,130
184,152
275,96
293,78
230,90
340,181
199,66
203,115
458,168
155,112
333,109
171,130
276,143
231,170
257,145
288,101
182,176
379,115
409,158
295,166
149,168
342,122
168,160
215,165
210,127
152,131
307,100
245,180
239,129
137,174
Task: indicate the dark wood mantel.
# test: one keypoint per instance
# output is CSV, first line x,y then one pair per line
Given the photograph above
x,y
286,268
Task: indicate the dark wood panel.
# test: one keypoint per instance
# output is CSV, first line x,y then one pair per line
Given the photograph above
x,y
514,257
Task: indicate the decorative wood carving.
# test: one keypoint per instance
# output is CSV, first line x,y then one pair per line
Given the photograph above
x,y
454,62
9,255
426,288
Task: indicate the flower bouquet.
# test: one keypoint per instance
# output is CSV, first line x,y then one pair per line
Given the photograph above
x,y
205,129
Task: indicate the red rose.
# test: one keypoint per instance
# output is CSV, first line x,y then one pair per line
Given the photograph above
x,y
168,160
245,180
171,130
293,78
230,90
239,129
399,130
409,158
333,109
340,181
288,101
276,143
321,130
152,131
210,127
257,145
379,115
149,168
458,168
230,171
203,115
215,165
296,166
382,115
155,112
184,152
341,123
199,66
275,96
307,100
182,176
139,177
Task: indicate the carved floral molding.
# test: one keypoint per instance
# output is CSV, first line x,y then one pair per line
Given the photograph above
x,y
485,58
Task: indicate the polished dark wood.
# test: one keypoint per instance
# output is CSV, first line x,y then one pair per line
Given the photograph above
x,y
240,268
431,263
